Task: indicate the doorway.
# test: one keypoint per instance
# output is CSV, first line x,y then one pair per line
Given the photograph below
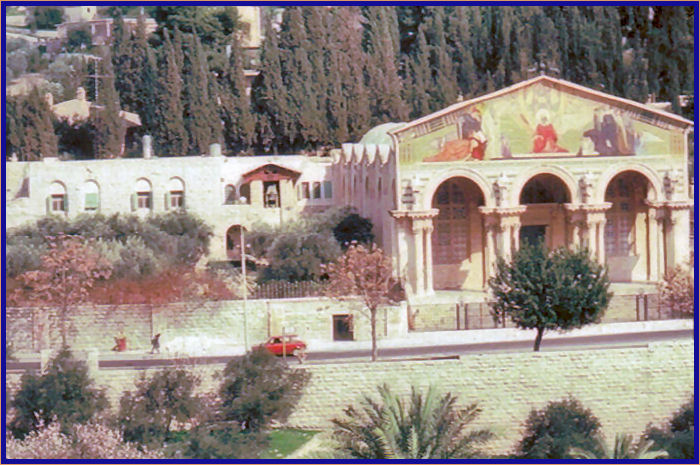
x,y
343,328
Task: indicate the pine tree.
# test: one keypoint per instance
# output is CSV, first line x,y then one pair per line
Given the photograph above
x,y
171,137
110,128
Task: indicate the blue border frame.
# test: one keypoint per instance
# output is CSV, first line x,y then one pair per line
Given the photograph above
x,y
322,2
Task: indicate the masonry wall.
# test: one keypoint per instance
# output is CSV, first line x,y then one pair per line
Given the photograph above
x,y
199,327
625,388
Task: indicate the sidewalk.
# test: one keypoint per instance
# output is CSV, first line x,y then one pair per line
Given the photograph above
x,y
414,339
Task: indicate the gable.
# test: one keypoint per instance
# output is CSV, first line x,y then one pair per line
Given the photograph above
x,y
543,117
270,172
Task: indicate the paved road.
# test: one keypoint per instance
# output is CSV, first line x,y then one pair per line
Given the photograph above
x,y
444,351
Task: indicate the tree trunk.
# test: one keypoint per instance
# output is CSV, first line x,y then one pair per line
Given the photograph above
x,y
373,324
64,329
538,339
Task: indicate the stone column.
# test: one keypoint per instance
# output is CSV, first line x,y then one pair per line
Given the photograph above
x,y
594,234
678,220
655,245
417,227
428,232
418,258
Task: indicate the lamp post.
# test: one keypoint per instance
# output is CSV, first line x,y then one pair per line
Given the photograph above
x,y
245,291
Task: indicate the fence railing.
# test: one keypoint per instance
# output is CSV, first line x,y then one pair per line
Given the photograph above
x,y
287,290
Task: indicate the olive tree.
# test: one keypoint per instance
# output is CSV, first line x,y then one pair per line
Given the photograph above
x,y
544,289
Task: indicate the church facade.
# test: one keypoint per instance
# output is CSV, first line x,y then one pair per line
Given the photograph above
x,y
447,193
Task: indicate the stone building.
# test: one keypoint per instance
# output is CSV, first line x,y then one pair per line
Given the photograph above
x,y
448,193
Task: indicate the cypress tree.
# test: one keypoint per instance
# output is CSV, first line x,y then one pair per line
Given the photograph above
x,y
171,137
319,37
110,128
444,87
384,82
421,77
201,114
239,123
29,128
351,63
270,97
459,29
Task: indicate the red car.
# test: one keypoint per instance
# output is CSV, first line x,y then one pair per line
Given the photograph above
x,y
289,344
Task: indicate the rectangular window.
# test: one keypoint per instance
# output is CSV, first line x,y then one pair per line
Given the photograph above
x,y
177,199
143,200
317,190
327,190
305,193
92,201
58,203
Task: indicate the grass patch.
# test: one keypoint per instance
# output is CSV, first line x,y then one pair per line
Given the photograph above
x,y
283,442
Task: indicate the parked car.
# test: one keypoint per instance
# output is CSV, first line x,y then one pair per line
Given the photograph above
x,y
289,344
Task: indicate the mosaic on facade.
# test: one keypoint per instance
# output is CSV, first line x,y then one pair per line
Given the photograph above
x,y
538,121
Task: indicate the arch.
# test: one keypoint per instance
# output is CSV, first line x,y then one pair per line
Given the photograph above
x,y
467,173
520,181
143,185
233,242
654,180
544,188
176,184
244,193
57,188
230,194
91,190
379,188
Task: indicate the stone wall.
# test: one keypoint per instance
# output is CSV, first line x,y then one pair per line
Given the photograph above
x,y
626,388
443,316
195,327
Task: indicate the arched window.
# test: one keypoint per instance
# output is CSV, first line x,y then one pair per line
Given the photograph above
x,y
379,188
92,196
230,196
175,197
142,198
57,201
245,193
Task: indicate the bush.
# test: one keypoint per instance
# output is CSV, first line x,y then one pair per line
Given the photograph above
x,y
678,436
218,441
258,388
23,255
64,393
677,291
552,432
148,414
353,228
298,257
92,441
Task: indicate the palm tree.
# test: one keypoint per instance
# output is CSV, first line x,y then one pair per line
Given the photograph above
x,y
426,427
624,449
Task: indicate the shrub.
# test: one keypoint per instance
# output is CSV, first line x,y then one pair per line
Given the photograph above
x,y
298,257
91,441
218,441
550,433
148,414
353,228
678,436
22,255
677,290
65,393
258,388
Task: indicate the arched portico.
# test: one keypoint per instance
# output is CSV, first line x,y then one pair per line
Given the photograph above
x,y
233,242
458,246
544,217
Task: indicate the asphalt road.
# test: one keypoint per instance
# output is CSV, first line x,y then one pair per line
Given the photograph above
x,y
431,352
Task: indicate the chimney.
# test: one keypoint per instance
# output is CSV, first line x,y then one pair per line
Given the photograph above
x,y
215,150
147,146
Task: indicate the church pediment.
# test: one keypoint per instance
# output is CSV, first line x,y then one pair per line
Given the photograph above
x,y
542,117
